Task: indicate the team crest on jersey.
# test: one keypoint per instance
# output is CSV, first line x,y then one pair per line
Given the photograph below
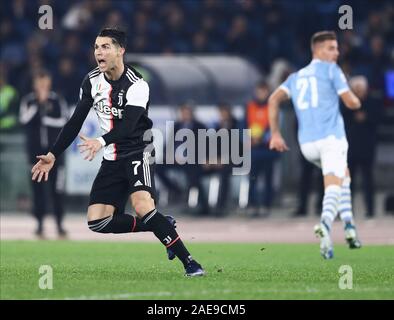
x,y
120,98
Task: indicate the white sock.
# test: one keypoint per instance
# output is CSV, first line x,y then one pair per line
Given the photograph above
x,y
330,205
345,204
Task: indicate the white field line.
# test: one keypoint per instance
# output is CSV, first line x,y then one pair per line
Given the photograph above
x,y
166,294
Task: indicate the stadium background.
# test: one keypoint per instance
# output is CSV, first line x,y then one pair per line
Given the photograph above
x,y
208,52
186,48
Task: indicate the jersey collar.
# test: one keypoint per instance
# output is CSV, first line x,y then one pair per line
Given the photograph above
x,y
316,60
121,77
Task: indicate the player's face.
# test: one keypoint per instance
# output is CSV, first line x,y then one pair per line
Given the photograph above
x,y
107,54
186,115
262,93
225,114
329,51
42,84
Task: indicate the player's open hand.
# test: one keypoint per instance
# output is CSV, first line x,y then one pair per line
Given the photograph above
x,y
90,146
42,167
278,143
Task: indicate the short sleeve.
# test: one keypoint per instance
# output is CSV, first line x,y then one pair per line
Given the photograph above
x,y
138,94
286,85
338,79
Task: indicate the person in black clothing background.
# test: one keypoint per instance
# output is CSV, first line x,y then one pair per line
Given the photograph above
x,y
361,130
193,171
43,113
311,179
226,122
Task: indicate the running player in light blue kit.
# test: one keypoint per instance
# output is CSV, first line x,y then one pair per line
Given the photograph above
x,y
314,91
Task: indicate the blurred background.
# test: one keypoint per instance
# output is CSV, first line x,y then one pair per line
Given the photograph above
x,y
211,62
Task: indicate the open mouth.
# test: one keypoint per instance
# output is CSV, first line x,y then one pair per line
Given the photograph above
x,y
101,62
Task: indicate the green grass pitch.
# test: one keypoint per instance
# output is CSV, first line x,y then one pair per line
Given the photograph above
x,y
119,270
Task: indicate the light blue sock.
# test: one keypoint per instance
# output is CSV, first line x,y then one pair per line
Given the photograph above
x,y
345,203
330,205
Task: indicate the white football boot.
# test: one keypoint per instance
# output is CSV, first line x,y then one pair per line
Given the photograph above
x,y
326,248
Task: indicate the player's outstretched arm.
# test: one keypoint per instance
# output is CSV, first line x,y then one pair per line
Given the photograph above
x,y
277,97
42,167
71,128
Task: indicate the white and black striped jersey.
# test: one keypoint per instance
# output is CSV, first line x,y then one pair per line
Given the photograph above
x,y
122,110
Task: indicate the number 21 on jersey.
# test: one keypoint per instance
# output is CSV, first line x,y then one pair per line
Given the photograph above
x,y
304,85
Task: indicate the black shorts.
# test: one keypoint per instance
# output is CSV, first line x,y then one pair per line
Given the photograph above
x,y
116,180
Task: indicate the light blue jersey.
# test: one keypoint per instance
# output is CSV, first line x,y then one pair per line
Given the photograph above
x,y
315,92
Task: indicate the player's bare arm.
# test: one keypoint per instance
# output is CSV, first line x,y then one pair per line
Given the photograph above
x,y
277,97
350,100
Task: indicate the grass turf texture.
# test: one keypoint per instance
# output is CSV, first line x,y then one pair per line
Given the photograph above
x,y
114,270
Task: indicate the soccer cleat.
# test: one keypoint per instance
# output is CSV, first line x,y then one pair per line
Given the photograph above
x,y
194,269
171,254
351,236
326,249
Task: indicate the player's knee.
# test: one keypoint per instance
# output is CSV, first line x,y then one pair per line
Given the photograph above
x,y
100,211
100,225
143,207
143,204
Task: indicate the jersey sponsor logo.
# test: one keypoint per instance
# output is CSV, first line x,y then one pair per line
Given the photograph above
x,y
100,107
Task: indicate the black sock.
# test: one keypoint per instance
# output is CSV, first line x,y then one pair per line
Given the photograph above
x,y
140,226
118,223
167,235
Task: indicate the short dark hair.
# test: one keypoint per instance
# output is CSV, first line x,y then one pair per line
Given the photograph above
x,y
322,36
42,73
223,105
118,36
262,84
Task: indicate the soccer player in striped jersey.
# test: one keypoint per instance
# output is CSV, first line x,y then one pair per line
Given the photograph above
x,y
120,97
314,91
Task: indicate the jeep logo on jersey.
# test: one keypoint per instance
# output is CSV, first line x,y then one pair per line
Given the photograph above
x,y
100,107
